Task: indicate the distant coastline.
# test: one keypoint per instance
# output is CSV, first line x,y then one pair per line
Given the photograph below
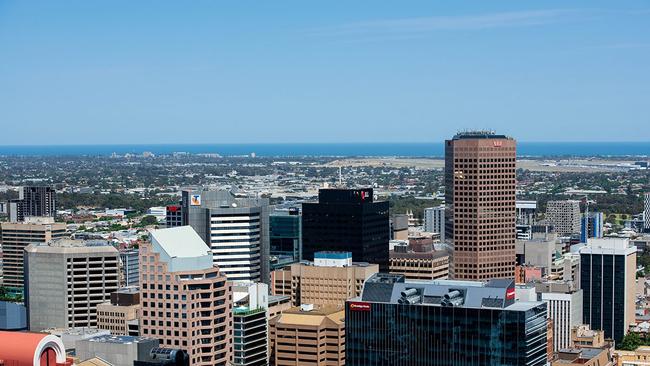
x,y
530,149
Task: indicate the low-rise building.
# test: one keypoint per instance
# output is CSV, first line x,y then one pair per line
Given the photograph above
x,y
121,314
638,357
330,279
582,357
26,348
309,335
116,350
419,261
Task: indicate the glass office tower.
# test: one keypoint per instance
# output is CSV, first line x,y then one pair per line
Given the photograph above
x,y
446,323
347,220
285,237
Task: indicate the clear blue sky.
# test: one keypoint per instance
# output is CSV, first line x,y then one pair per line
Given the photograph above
x,y
322,71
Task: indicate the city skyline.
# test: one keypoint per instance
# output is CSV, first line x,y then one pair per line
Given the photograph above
x,y
285,70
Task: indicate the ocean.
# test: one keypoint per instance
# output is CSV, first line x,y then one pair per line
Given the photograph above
x,y
532,149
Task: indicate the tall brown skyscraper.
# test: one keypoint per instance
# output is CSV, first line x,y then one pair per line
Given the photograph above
x,y
480,204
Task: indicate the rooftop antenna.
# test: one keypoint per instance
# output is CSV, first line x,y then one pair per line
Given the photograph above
x,y
340,177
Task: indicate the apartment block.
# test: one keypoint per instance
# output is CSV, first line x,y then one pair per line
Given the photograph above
x,y
564,216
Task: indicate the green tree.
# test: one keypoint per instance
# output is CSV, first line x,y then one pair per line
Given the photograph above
x,y
630,342
148,220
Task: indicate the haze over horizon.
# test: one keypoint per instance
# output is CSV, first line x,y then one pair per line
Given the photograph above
x,y
291,72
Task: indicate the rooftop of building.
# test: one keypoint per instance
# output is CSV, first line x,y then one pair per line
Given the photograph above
x,y
65,245
246,310
312,315
77,331
578,355
119,339
479,134
608,246
354,264
278,299
395,289
433,254
128,290
182,249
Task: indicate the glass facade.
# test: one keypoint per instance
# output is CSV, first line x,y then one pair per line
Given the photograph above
x,y
347,220
602,279
284,231
414,335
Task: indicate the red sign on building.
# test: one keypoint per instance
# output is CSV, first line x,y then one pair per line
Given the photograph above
x,y
359,306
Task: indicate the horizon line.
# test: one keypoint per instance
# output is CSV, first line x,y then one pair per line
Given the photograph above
x,y
309,143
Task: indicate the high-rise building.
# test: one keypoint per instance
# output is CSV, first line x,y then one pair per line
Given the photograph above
x,y
347,220
130,267
308,336
285,237
646,212
526,211
14,237
564,216
608,279
591,226
173,216
66,279
235,228
450,323
434,221
38,201
330,279
121,315
251,336
15,210
564,309
250,319
480,201
185,300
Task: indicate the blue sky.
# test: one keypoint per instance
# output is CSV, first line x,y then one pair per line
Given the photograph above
x,y
322,71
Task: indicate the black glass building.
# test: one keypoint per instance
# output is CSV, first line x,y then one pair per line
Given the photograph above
x,y
443,323
347,220
607,280
285,237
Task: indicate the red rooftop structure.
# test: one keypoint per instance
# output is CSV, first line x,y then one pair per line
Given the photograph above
x,y
32,349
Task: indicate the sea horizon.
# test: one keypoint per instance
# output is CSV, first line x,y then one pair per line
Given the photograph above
x,y
348,149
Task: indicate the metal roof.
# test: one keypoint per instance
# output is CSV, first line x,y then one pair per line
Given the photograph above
x,y
180,242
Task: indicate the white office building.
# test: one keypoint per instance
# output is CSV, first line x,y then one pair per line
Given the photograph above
x,y
646,211
434,221
564,309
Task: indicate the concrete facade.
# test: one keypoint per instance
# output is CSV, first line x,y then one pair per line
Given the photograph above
x,y
14,237
65,280
116,350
